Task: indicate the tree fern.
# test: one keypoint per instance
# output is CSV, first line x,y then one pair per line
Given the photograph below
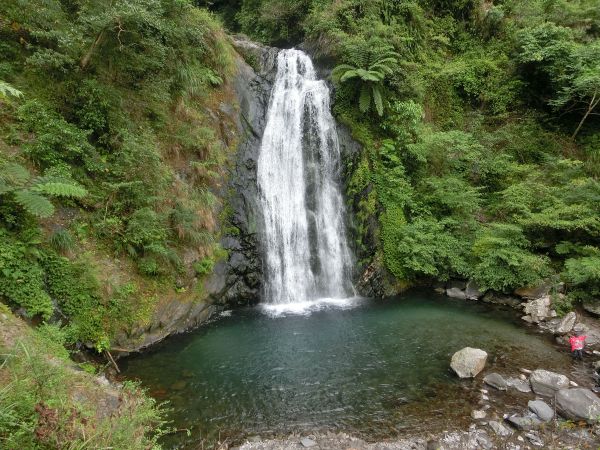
x,y
60,189
370,78
35,204
364,100
32,196
14,174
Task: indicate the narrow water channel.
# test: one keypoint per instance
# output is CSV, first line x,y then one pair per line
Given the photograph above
x,y
376,369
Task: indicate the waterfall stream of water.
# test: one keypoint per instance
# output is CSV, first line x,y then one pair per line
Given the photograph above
x,y
306,253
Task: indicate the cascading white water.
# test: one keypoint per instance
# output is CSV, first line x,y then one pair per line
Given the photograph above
x,y
307,256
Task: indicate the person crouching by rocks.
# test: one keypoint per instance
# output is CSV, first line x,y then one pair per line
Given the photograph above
x,y
577,343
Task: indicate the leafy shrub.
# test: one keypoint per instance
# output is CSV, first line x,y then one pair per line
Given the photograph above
x,y
503,261
22,278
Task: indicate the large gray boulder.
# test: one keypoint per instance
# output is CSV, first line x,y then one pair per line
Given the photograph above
x,y
496,381
537,310
578,404
468,362
546,383
566,324
541,409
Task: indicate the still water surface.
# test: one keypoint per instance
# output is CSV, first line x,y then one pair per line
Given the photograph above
x,y
376,369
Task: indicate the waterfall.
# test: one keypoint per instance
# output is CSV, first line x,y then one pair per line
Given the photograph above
x,y
304,238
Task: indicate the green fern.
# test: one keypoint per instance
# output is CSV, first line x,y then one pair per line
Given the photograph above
x,y
35,204
6,91
32,196
370,77
60,189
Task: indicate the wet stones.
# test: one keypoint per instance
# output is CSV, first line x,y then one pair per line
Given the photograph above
x,y
468,362
541,409
307,442
496,381
546,383
499,429
521,385
525,422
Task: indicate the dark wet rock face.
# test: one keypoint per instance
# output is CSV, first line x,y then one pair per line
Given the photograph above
x,y
237,280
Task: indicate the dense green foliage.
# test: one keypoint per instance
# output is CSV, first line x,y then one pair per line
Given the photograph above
x,y
45,404
485,161
106,153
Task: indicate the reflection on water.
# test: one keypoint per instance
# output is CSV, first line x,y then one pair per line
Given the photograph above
x,y
376,369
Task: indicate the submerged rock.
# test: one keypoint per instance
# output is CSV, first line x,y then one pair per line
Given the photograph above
x,y
499,299
499,429
578,404
478,414
520,384
307,442
468,362
496,381
546,383
541,409
527,422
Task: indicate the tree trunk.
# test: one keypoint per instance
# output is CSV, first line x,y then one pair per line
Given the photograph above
x,y
591,106
86,58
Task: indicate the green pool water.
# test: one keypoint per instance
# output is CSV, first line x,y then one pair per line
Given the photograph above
x,y
376,369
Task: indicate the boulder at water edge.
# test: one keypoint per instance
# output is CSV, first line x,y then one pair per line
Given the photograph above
x,y
541,409
456,293
468,362
578,404
566,324
544,382
537,310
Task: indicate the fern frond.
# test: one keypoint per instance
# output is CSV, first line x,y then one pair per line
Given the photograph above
x,y
34,203
372,75
381,68
14,174
349,75
364,101
60,189
340,70
6,90
377,99
4,188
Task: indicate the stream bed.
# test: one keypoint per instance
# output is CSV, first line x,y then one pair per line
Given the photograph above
x,y
373,368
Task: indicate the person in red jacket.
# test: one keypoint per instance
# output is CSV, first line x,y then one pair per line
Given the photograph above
x,y
577,343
